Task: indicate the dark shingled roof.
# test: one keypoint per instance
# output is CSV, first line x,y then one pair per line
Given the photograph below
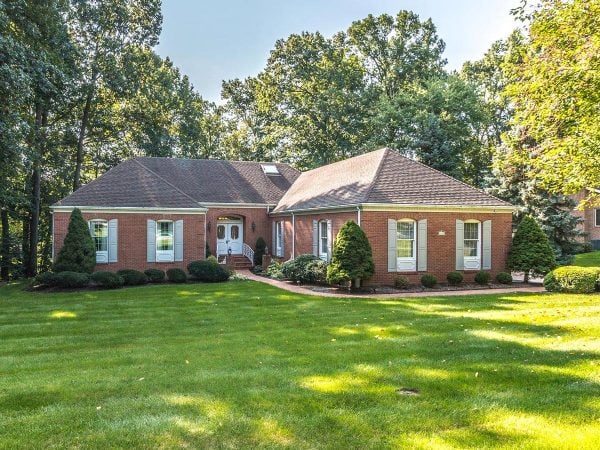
x,y
381,176
183,183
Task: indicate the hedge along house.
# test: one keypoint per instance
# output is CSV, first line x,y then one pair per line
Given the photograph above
x,y
163,212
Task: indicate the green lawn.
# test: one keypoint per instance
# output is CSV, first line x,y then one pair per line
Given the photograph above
x,y
591,259
245,365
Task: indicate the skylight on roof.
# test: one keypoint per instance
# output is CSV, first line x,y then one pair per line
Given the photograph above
x,y
270,169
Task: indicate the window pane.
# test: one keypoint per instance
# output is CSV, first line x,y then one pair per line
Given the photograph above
x,y
221,232
406,230
164,238
597,218
471,230
405,248
235,232
471,247
99,231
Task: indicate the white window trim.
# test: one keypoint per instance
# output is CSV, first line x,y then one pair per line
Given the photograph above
x,y
323,237
596,224
473,262
405,263
101,256
165,255
279,239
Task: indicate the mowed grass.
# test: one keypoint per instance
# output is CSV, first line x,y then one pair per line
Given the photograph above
x,y
591,259
245,365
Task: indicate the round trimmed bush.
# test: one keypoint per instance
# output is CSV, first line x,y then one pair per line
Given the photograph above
x,y
454,278
155,275
208,271
107,280
482,277
573,279
401,282
212,259
176,275
132,277
294,269
316,271
46,279
305,268
68,279
504,278
428,280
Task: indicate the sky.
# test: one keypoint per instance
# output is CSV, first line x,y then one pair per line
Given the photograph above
x,y
211,41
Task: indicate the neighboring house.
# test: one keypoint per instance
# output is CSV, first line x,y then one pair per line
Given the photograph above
x,y
162,212
590,216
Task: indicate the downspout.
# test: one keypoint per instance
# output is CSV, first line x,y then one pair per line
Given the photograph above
x,y
358,214
293,236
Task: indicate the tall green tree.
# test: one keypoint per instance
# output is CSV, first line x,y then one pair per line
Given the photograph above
x,y
396,51
556,93
105,33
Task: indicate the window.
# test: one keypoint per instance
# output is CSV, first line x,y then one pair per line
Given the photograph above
x,y
99,232
164,241
597,211
235,232
220,231
279,239
406,245
323,242
472,245
270,169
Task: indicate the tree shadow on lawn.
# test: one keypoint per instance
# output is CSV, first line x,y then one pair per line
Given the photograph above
x,y
340,387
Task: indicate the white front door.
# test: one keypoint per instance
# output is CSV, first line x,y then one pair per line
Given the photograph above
x,y
230,235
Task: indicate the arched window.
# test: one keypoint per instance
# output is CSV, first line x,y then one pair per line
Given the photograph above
x,y
472,244
164,241
99,231
406,245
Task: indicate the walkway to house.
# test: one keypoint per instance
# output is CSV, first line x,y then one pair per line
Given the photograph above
x,y
441,293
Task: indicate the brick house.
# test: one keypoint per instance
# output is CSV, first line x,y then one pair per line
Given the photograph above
x,y
164,212
590,218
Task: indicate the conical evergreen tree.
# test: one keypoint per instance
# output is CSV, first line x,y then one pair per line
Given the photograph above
x,y
531,252
352,257
78,253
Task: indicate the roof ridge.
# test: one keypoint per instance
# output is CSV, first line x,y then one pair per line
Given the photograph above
x,y
376,175
166,181
217,160
449,176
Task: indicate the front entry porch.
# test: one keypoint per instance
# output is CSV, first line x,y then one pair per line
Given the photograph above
x,y
230,236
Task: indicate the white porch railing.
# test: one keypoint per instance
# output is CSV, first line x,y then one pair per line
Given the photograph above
x,y
248,252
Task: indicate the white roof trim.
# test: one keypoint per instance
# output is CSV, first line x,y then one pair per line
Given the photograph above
x,y
397,207
129,209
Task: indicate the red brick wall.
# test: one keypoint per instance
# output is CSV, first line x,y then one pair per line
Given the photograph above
x,y
304,230
441,250
262,225
588,215
132,235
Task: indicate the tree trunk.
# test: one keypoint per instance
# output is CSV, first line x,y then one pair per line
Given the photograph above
x,y
526,276
5,248
41,120
80,140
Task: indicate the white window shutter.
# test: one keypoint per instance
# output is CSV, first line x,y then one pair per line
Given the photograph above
x,y
316,238
282,239
486,253
460,253
178,247
329,239
422,246
274,238
151,241
113,240
392,253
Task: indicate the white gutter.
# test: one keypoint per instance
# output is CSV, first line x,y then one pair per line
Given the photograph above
x,y
358,215
403,207
129,209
